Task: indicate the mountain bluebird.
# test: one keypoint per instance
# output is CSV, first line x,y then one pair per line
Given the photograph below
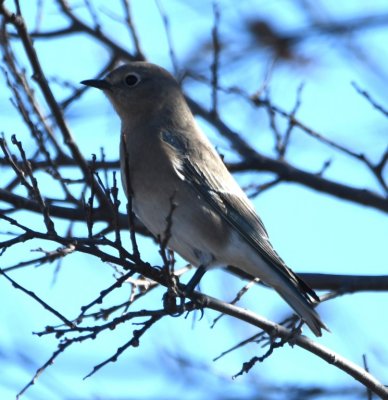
x,y
170,161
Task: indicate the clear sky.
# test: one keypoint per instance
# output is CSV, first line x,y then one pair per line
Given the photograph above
x,y
313,232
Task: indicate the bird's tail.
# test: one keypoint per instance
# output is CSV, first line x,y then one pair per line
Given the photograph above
x,y
302,299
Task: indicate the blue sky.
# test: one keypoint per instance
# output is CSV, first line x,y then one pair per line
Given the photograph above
x,y
313,232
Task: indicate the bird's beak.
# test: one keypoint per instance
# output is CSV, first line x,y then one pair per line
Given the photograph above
x,y
98,83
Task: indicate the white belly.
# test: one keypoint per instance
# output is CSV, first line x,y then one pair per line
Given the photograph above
x,y
185,234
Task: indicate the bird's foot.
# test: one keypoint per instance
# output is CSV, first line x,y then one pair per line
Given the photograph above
x,y
171,305
174,292
174,300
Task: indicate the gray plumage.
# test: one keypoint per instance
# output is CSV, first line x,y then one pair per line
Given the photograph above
x,y
170,159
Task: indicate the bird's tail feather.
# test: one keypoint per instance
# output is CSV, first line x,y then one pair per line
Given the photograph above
x,y
297,298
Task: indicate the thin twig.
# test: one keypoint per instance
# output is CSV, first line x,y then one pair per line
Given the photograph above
x,y
368,97
216,58
132,30
134,342
18,22
166,24
37,299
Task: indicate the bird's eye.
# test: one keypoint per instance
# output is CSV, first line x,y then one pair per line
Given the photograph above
x,y
132,79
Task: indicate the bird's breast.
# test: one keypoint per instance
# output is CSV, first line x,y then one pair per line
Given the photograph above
x,y
168,206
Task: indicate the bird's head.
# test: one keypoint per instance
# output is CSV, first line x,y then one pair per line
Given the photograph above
x,y
140,90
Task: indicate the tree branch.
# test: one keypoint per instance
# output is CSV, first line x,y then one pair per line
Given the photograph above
x,y
18,22
321,351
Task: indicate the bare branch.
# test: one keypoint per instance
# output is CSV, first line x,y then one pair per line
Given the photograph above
x,y
134,342
369,98
216,58
38,299
321,351
18,22
289,173
167,30
131,26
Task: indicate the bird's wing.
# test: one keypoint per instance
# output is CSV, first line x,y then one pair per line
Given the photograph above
x,y
226,198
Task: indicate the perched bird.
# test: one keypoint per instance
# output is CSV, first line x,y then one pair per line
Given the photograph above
x,y
170,161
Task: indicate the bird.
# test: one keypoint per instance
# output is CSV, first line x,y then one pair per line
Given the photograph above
x,y
179,183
